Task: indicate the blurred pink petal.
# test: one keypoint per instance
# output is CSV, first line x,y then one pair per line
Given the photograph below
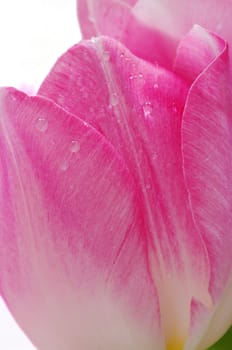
x,y
153,29
118,20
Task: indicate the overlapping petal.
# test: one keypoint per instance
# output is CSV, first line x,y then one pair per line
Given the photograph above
x,y
141,114
153,29
74,264
137,103
140,178
119,20
206,141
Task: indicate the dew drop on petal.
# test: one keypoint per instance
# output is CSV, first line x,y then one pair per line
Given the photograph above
x,y
94,39
147,109
113,99
174,108
41,124
156,85
136,76
64,165
74,147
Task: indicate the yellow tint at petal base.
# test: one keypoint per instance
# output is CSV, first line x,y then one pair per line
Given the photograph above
x,y
175,343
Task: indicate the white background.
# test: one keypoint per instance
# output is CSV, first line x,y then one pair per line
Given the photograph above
x,y
33,33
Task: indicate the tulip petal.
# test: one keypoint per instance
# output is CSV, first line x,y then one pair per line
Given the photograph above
x,y
138,108
153,29
73,253
176,17
198,49
221,320
118,20
206,141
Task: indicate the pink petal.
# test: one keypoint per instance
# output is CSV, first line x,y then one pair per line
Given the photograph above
x,y
206,145
196,51
118,20
176,17
152,29
221,320
73,248
138,108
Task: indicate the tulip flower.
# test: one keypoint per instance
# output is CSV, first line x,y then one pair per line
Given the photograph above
x,y
152,29
116,199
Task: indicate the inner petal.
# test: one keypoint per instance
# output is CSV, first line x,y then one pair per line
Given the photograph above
x,y
140,108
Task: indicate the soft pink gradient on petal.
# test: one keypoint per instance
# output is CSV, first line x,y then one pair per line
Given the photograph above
x,y
176,17
206,145
138,108
198,49
74,261
117,20
152,29
159,150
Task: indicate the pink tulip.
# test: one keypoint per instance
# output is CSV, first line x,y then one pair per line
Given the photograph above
x,y
116,199
152,29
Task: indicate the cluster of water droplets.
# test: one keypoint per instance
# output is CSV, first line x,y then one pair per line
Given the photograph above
x,y
74,148
140,78
136,76
41,124
147,109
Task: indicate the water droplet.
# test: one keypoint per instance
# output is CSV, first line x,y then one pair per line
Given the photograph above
x,y
74,147
41,124
147,109
156,85
136,76
174,108
64,165
94,39
106,56
122,55
113,99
